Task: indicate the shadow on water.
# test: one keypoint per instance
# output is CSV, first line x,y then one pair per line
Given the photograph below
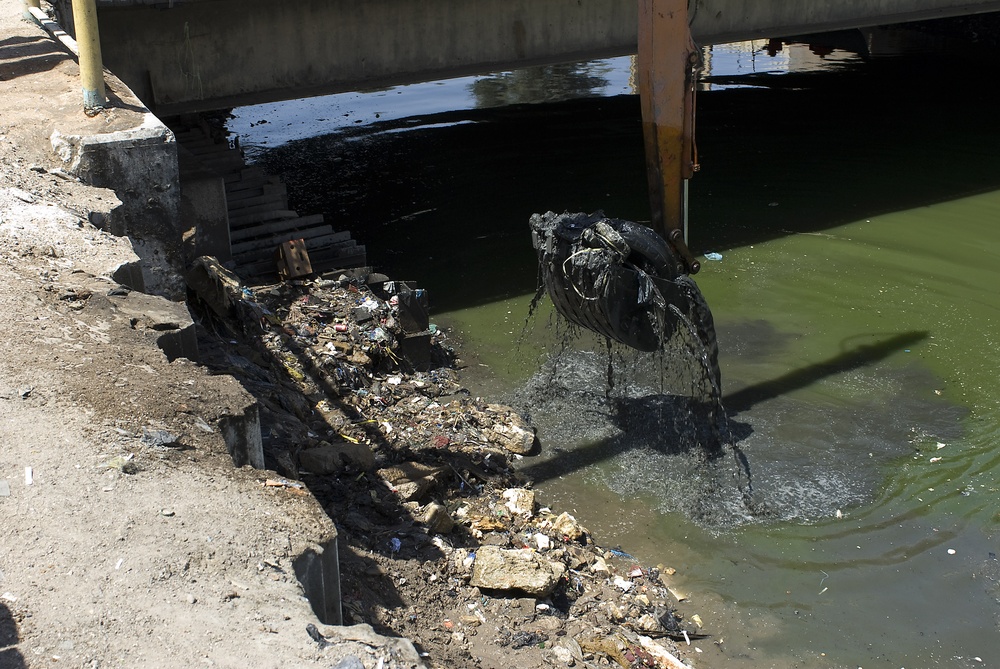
x,y
861,356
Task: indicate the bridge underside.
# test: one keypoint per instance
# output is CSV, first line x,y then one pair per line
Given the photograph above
x,y
200,55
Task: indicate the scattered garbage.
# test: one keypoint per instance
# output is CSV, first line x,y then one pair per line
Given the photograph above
x,y
360,402
712,255
124,463
283,483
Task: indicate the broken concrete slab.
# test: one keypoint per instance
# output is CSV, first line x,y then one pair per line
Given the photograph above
x,y
141,165
241,432
332,458
515,569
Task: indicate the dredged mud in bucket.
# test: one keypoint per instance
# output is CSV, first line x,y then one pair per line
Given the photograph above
x,y
661,387
622,280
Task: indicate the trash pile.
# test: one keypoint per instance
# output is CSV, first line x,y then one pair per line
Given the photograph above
x,y
361,402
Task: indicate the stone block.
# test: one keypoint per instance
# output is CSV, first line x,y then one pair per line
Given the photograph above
x,y
332,458
416,348
515,569
241,432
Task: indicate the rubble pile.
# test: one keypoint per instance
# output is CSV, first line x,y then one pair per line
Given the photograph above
x,y
440,542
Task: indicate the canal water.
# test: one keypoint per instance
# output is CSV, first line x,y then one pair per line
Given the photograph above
x,y
846,216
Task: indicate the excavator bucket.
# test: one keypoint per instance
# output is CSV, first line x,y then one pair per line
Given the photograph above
x,y
615,277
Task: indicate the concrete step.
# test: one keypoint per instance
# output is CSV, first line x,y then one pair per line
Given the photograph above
x,y
325,260
267,188
255,231
260,217
276,196
325,245
247,173
276,203
271,242
223,163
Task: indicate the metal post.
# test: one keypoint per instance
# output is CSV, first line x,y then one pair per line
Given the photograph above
x,y
88,39
28,4
667,55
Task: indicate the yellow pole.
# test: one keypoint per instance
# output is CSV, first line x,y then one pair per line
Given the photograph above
x,y
666,91
28,4
88,39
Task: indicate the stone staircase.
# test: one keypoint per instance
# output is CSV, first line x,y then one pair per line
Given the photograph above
x,y
259,217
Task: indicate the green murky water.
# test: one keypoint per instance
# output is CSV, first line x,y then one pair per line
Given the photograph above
x,y
856,210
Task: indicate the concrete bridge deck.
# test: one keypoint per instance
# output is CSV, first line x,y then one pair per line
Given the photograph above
x,y
198,55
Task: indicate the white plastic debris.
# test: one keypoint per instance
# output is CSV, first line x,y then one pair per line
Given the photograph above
x,y
542,541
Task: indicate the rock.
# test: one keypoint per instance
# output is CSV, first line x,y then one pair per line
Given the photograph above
x,y
332,458
520,501
411,480
411,490
349,662
648,624
564,655
512,437
600,566
566,526
510,569
544,624
437,519
409,471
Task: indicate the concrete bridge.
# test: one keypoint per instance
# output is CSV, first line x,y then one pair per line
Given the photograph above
x,y
196,55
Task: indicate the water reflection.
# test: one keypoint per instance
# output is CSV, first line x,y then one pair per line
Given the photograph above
x,y
541,84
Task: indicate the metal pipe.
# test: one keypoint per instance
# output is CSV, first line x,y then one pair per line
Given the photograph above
x,y
91,66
